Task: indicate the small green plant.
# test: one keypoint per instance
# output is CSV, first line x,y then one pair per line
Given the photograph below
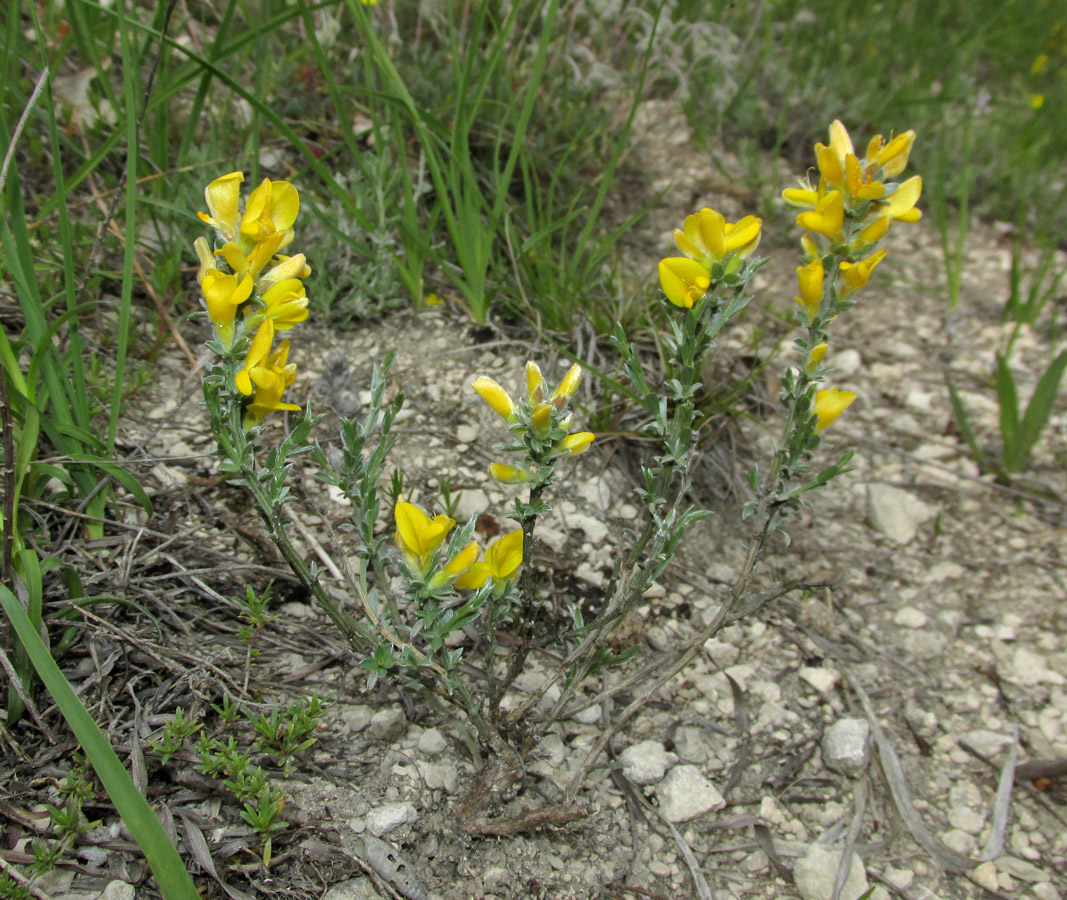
x,y
13,890
1019,430
414,608
175,733
68,821
286,732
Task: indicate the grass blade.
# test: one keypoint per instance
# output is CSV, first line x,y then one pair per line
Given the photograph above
x,y
170,873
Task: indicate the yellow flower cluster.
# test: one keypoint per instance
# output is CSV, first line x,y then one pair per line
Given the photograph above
x,y
544,421
248,272
714,250
846,214
420,539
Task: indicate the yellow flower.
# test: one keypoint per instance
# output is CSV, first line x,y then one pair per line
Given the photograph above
x,y
223,195
493,394
901,203
431,299
810,278
893,156
685,281
707,237
1037,101
418,535
502,561
871,234
568,385
207,259
535,383
816,356
286,267
272,207
576,443
222,295
286,304
508,474
257,356
829,405
828,217
856,275
271,380
254,262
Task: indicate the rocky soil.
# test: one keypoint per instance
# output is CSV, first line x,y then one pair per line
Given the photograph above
x,y
941,629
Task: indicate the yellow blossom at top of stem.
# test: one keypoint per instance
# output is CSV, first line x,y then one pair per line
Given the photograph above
x,y
285,303
568,385
829,404
810,279
685,281
223,196
541,420
502,561
707,237
257,258
576,443
272,207
223,294
856,275
900,204
417,534
535,383
493,394
891,157
258,352
828,217
271,380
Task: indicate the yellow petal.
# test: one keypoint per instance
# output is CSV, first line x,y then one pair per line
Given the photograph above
x,y
535,382
830,165
464,559
839,139
829,405
801,197
902,201
576,443
222,196
493,394
744,236
893,157
411,523
508,474
541,420
683,280
505,555
474,577
570,383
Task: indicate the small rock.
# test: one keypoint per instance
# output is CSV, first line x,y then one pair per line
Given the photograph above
x,y
896,513
392,815
985,875
588,716
845,746
685,794
847,362
959,841
910,617
1045,891
899,878
439,776
355,889
1021,869
816,870
118,890
432,742
966,819
988,743
645,762
823,680
467,434
1029,668
387,724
